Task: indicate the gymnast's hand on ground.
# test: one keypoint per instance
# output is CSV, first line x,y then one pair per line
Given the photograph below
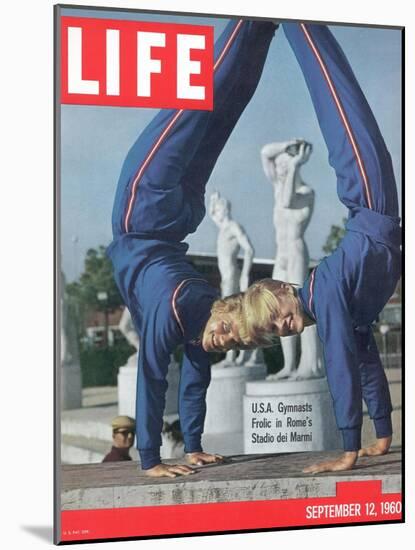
x,y
345,462
169,470
200,458
381,447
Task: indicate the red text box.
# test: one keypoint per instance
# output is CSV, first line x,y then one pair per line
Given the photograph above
x,y
136,64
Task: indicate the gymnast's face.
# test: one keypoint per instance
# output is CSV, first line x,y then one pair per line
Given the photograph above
x,y
221,333
289,318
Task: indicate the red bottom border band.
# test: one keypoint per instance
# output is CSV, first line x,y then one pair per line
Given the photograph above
x,y
355,502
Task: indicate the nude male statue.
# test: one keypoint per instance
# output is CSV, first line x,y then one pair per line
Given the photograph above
x,y
231,238
293,208
69,338
127,329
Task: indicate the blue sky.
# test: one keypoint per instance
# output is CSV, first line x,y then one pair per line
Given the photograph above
x,y
95,140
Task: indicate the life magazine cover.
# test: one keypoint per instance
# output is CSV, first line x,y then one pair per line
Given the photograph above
x,y
228,284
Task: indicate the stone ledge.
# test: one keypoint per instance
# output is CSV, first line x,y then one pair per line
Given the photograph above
x,y
240,478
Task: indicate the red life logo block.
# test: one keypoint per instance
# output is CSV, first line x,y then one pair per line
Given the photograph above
x,y
136,64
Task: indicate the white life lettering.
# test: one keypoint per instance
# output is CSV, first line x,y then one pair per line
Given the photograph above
x,y
187,67
76,84
146,66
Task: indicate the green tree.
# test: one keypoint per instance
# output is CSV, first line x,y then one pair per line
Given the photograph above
x,y
336,234
96,289
99,366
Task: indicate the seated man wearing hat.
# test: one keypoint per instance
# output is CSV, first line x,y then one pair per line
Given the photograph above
x,y
123,432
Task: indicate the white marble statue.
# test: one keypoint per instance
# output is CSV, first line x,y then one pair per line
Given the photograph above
x,y
69,338
71,378
293,208
231,238
127,329
127,376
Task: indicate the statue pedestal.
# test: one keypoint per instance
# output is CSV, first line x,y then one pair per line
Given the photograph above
x,y
289,416
127,385
223,432
71,387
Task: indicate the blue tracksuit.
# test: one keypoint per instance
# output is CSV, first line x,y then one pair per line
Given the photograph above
x,y
348,289
159,201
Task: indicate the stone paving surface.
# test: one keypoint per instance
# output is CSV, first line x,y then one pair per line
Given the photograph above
x,y
236,467
247,477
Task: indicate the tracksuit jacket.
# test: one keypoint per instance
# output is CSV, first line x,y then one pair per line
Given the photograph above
x,y
160,200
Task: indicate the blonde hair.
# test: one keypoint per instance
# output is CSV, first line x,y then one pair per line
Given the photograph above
x,y
255,311
261,306
233,305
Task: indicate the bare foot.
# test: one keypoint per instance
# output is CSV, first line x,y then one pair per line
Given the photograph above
x,y
284,373
309,369
201,458
381,447
345,462
305,375
169,470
